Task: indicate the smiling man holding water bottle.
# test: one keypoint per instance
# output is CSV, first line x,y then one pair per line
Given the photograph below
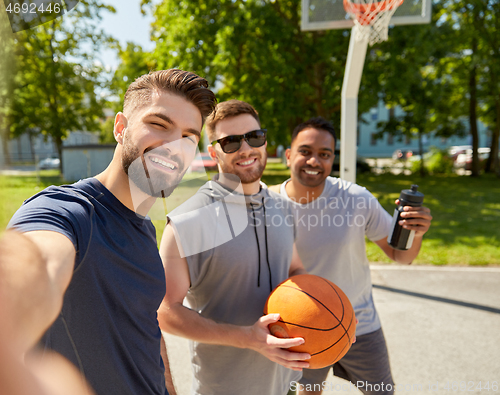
x,y
333,217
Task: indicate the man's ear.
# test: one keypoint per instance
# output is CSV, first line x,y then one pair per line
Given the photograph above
x,y
287,156
212,153
119,127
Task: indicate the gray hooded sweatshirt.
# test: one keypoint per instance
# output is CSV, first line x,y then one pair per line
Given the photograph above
x,y
238,248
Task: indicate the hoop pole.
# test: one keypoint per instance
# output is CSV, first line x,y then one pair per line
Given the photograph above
x,y
349,106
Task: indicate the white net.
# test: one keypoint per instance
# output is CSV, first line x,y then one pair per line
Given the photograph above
x,y
371,18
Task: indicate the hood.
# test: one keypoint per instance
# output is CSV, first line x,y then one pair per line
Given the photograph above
x,y
231,191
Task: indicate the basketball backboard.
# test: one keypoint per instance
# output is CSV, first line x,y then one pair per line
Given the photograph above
x,y
330,14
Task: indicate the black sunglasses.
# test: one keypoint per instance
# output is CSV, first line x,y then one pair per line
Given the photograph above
x,y
231,144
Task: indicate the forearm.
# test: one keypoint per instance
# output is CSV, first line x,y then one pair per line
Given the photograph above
x,y
169,383
418,220
34,294
406,257
182,321
298,271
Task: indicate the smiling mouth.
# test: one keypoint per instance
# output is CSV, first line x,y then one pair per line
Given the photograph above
x,y
311,172
163,163
247,162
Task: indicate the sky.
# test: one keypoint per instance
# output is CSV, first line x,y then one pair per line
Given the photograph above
x,y
127,24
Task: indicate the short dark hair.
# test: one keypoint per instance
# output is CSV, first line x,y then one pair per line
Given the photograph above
x,y
228,109
183,83
316,123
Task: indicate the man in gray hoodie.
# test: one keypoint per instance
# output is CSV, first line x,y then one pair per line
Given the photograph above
x,y
217,260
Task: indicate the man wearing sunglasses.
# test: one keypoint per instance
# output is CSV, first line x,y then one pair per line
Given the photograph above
x,y
224,251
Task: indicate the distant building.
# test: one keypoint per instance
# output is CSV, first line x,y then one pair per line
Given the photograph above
x,y
85,160
30,149
370,147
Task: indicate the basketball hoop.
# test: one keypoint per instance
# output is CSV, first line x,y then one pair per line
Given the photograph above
x,y
371,18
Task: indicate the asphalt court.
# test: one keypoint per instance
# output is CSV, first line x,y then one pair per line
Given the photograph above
x,y
442,326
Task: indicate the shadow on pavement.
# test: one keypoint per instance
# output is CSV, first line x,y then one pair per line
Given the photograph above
x,y
439,299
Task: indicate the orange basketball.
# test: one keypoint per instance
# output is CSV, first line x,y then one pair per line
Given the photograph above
x,y
317,310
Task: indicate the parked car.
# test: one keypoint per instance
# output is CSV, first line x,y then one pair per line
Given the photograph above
x,y
457,150
465,159
402,154
49,163
203,163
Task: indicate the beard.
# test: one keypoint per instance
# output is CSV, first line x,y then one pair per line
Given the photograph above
x,y
143,174
247,176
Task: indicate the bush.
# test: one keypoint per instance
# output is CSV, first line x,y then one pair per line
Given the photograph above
x,y
436,161
440,162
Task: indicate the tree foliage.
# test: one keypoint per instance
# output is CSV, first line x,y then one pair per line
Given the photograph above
x,y
134,62
413,77
254,50
57,79
6,83
444,75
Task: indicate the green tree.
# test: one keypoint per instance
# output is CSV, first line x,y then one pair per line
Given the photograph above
x,y
6,82
487,25
57,80
255,51
412,76
474,66
134,62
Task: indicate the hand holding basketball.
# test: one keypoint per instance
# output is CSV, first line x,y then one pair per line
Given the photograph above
x,y
317,310
274,348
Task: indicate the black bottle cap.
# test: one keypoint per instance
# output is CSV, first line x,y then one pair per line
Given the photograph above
x,y
411,197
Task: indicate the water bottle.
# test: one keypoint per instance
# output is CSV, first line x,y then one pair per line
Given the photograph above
x,y
401,238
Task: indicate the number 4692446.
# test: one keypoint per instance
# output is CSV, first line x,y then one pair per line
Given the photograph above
x,y
33,8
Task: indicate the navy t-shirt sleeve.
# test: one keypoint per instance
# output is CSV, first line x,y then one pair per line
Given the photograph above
x,y
60,210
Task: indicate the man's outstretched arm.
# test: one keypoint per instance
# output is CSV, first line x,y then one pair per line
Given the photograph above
x,y
35,270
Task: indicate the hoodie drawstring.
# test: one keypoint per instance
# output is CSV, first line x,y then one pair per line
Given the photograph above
x,y
267,248
258,245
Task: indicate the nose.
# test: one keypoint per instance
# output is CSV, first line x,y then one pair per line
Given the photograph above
x,y
172,146
181,147
171,139
313,161
245,148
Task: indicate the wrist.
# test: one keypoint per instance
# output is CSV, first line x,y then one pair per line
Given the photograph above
x,y
238,336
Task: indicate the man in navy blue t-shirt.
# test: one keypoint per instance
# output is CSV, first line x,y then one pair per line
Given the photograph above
x,y
103,275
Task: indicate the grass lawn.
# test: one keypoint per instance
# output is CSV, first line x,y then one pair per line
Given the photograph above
x,y
15,189
466,211
465,228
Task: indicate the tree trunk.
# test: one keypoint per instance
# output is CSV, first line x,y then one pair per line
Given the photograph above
x,y
32,149
318,84
473,113
58,141
492,162
5,145
493,165
421,153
